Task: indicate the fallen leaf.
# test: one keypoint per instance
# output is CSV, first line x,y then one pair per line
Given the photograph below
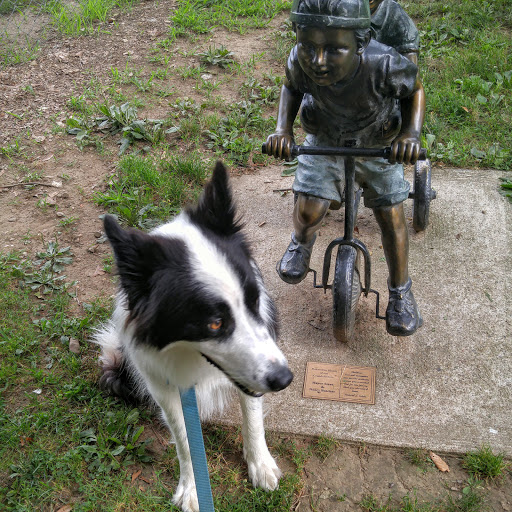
x,y
440,463
25,440
98,272
61,56
145,480
136,475
65,508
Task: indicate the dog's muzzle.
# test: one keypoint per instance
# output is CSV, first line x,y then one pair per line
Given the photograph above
x,y
280,378
277,379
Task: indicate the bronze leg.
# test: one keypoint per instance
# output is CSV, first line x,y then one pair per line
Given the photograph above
x,y
402,315
308,213
395,242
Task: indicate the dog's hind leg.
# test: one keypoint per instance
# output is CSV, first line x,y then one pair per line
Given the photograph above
x,y
169,402
263,470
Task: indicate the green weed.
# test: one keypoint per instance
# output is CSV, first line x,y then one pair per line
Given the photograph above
x,y
419,457
284,40
216,56
122,120
506,187
408,503
370,503
325,446
471,500
13,149
239,134
20,52
483,463
47,276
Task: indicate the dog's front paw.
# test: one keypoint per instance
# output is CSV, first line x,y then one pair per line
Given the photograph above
x,y
185,498
263,472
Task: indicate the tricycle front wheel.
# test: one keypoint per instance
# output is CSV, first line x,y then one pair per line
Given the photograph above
x,y
346,289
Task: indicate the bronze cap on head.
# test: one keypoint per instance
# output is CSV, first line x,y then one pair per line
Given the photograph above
x,y
352,14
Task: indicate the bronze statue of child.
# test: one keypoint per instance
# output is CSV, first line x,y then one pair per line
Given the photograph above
x,y
392,26
351,91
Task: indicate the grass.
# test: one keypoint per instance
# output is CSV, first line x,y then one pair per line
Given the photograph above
x,y
62,441
196,17
472,499
483,463
325,446
466,68
146,191
75,20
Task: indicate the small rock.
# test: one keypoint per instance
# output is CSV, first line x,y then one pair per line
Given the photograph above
x,y
12,219
61,214
92,249
74,346
97,234
325,494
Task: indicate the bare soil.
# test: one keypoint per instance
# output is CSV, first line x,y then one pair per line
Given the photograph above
x,y
33,103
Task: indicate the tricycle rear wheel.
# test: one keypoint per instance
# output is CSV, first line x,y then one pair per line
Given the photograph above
x,y
423,194
346,289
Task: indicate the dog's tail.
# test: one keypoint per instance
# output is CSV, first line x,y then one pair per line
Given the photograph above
x,y
116,377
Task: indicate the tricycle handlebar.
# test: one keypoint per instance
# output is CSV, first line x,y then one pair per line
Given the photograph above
x,y
342,151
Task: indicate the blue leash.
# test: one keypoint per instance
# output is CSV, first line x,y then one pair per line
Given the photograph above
x,y
197,451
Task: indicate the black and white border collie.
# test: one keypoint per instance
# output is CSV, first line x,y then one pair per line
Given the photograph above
x,y
192,310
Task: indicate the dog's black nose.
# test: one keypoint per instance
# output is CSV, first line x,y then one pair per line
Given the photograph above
x,y
280,378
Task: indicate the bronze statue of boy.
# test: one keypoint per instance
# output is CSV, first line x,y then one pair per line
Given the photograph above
x,y
351,91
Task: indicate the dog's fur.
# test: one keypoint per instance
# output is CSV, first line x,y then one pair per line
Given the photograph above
x,y
192,310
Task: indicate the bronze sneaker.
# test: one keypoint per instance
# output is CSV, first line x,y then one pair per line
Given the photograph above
x,y
294,265
402,315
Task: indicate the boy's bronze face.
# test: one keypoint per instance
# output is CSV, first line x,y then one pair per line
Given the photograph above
x,y
327,55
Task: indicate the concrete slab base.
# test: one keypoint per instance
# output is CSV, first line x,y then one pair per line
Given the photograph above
x,y
446,388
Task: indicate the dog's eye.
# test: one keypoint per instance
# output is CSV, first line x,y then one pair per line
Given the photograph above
x,y
215,325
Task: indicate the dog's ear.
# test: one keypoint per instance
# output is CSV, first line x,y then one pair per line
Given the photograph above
x,y
216,209
133,250
138,256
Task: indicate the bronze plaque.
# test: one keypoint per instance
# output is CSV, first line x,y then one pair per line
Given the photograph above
x,y
340,383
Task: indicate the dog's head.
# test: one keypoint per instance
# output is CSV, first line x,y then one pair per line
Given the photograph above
x,y
192,282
